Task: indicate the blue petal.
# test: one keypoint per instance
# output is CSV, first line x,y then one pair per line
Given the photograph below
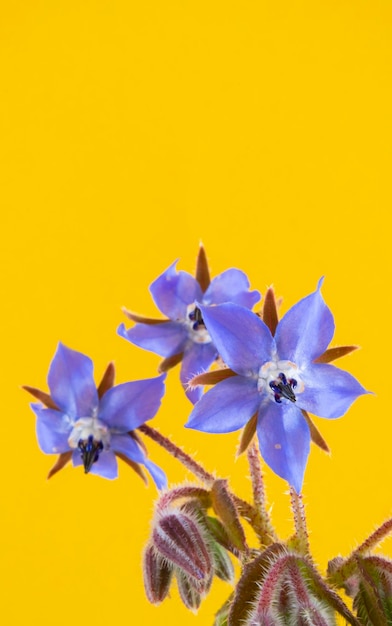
x,y
284,441
127,406
231,286
329,391
164,339
243,341
158,475
197,359
306,330
106,466
226,407
173,291
128,446
71,382
53,429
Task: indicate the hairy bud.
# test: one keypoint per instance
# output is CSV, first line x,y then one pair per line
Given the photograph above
x,y
179,538
190,594
157,575
372,587
280,588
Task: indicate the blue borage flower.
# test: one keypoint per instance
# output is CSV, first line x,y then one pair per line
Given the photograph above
x,y
183,336
94,425
275,378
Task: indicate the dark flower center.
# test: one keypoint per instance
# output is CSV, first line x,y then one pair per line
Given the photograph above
x,y
283,388
90,449
196,317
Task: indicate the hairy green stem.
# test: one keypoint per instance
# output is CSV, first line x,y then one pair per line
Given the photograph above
x,y
266,532
300,540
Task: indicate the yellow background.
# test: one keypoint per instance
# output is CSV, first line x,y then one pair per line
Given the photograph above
x,y
129,132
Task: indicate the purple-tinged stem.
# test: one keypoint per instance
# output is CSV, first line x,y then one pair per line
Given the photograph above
x,y
300,540
179,454
339,574
246,510
183,492
267,533
375,538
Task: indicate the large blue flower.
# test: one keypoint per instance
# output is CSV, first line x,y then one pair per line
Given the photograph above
x,y
94,425
182,336
276,378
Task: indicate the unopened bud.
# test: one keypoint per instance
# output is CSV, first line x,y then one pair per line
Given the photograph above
x,y
373,595
157,575
275,589
223,567
179,538
189,595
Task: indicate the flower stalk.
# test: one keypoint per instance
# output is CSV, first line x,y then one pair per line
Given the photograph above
x,y
266,533
300,539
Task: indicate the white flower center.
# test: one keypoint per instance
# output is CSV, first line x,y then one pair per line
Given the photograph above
x,y
195,325
87,427
281,380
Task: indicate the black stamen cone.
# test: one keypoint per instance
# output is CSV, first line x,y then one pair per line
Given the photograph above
x,y
90,450
197,317
286,391
284,388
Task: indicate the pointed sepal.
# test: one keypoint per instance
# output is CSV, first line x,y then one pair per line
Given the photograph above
x,y
157,575
225,509
270,311
202,273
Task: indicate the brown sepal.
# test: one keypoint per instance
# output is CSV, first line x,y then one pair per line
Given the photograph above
x,y
211,378
315,434
141,319
107,380
335,353
42,397
61,462
135,436
270,310
135,466
224,507
169,362
202,274
247,434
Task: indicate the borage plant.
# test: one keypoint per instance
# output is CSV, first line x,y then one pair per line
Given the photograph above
x,y
268,376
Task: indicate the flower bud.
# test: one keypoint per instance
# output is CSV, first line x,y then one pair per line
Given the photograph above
x,y
157,575
373,590
179,538
279,588
190,596
223,567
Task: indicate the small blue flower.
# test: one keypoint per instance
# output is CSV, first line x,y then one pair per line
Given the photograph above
x,y
276,378
183,336
93,426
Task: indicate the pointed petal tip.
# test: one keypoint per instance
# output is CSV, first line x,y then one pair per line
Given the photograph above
x,y
122,331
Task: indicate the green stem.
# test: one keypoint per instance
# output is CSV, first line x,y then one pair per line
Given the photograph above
x,y
375,538
266,532
300,540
